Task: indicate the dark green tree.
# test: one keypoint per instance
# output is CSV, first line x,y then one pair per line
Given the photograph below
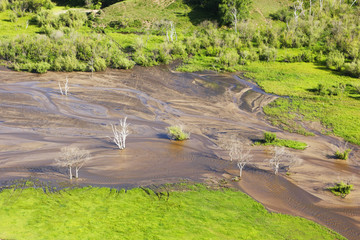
x,y
233,11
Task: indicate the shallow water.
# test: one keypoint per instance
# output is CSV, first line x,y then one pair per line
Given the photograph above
x,y
36,121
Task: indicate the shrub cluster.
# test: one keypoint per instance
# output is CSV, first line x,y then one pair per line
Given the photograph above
x,y
177,133
343,155
62,52
341,189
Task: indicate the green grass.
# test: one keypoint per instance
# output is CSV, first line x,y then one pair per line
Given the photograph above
x,y
262,9
340,114
10,29
270,139
285,143
102,213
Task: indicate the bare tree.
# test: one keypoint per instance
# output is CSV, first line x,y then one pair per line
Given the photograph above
x,y
283,157
120,134
241,154
66,87
234,14
171,32
298,6
73,157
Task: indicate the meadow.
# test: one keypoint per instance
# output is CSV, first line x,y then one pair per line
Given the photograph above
x,y
300,81
182,212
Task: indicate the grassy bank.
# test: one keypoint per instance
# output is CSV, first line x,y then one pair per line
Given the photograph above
x,y
338,111
189,212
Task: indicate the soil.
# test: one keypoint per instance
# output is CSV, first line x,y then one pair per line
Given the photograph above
x,y
36,121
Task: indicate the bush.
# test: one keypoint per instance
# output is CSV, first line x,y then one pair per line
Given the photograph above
x,y
341,189
177,133
42,67
13,16
229,58
343,155
269,137
3,5
353,69
99,64
72,19
122,62
179,50
335,59
267,54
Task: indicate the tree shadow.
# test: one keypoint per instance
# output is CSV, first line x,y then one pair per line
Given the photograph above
x,y
199,14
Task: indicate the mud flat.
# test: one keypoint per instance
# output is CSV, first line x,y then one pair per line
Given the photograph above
x,y
36,121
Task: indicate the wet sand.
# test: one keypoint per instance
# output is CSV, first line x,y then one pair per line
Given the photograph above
x,y
36,121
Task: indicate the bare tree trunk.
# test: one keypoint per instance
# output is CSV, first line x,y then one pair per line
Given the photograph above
x,y
276,169
235,20
77,172
241,168
70,172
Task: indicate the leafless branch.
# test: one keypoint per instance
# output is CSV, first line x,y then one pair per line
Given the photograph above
x,y
120,134
283,157
66,87
73,157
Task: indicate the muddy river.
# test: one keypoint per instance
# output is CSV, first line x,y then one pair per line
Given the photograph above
x,y
36,121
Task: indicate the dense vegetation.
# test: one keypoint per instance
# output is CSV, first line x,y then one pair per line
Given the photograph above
x,y
170,212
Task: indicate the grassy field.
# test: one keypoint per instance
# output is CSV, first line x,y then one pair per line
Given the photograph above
x,y
191,212
21,26
340,114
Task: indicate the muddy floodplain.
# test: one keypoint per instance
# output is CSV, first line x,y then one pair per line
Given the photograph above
x,y
36,121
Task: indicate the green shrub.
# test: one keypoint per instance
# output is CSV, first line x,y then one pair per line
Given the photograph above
x,y
344,155
13,16
177,133
122,62
179,50
143,59
72,19
99,64
269,137
341,189
164,56
335,59
229,58
3,5
42,67
267,54
353,69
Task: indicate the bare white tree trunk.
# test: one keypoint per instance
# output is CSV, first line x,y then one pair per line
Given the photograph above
x,y
282,157
353,3
73,157
77,172
171,32
234,13
239,153
120,134
277,168
70,173
66,87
